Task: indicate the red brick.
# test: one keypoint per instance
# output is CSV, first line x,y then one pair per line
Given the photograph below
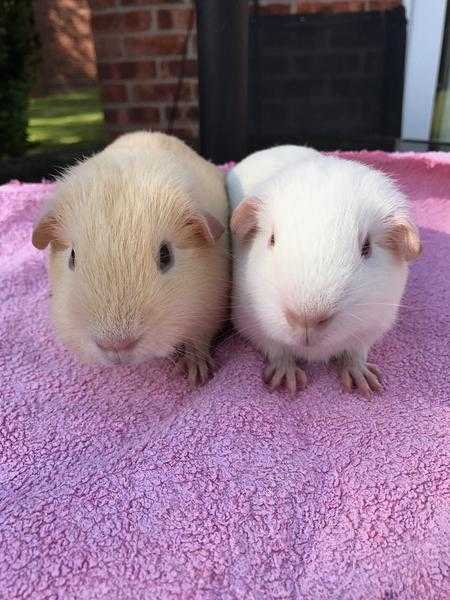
x,y
355,6
136,20
275,9
304,7
192,113
139,70
108,47
147,2
116,116
144,114
310,7
182,113
127,70
114,92
105,23
185,133
175,18
194,90
67,53
172,68
176,114
159,92
333,6
137,114
382,4
154,45
102,3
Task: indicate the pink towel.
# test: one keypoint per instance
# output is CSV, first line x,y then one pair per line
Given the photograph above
x,y
121,484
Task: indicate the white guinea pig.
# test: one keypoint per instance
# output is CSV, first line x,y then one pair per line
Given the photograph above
x,y
139,253
320,246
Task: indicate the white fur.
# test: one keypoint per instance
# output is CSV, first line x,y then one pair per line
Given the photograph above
x,y
251,173
320,208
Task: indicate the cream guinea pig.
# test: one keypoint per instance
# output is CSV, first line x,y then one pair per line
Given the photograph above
x,y
321,246
139,252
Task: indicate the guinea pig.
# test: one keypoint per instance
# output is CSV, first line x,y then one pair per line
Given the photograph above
x,y
321,247
138,260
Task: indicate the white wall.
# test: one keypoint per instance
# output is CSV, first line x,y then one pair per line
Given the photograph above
x,y
408,7
426,20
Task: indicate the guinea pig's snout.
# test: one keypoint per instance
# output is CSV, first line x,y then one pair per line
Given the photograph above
x,y
322,319
307,320
125,343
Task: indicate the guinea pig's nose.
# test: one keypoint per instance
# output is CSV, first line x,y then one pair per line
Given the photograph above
x,y
117,344
320,319
308,320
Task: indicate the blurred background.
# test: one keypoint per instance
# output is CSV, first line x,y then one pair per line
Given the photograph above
x,y
333,74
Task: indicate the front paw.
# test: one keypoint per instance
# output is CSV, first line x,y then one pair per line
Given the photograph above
x,y
284,372
195,364
365,377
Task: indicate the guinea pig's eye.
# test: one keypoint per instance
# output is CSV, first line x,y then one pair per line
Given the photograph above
x,y
165,257
272,240
72,260
365,250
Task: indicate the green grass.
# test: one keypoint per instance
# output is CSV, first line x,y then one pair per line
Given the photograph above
x,y
440,130
65,120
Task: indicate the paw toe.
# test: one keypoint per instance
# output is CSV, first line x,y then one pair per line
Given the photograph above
x,y
268,374
291,381
373,381
346,379
292,377
197,369
374,369
301,378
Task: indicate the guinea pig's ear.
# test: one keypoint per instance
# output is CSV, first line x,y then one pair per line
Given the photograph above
x,y
401,237
201,228
244,220
46,229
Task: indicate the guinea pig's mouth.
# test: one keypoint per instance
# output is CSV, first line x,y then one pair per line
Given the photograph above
x,y
118,358
123,351
307,343
133,354
309,339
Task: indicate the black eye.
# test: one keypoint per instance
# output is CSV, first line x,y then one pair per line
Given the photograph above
x,y
72,260
165,257
365,250
272,240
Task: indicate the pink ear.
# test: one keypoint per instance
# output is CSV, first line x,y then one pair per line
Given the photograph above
x,y
211,227
244,220
202,228
45,230
402,239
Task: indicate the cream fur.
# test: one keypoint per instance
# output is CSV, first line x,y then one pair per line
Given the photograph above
x,y
115,209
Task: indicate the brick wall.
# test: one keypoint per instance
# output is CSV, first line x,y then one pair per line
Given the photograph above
x,y
67,48
140,46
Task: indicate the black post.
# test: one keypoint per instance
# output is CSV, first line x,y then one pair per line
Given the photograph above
x,y
222,30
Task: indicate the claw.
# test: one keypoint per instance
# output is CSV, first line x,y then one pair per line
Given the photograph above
x,y
375,370
346,379
365,378
287,373
196,367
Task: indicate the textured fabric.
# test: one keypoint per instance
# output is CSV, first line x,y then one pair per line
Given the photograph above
x,y
121,484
